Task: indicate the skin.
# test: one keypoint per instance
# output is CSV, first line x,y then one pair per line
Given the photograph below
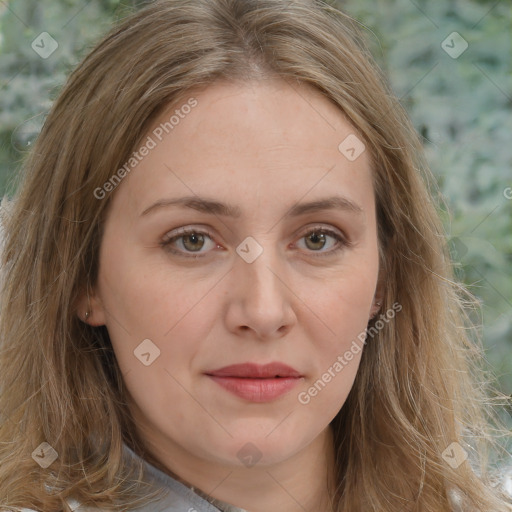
x,y
262,146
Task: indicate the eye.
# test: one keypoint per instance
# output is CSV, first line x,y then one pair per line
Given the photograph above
x,y
317,239
189,241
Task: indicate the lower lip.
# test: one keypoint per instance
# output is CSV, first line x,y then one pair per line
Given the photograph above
x,y
257,390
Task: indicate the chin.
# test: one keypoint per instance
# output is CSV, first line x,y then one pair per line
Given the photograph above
x,y
257,447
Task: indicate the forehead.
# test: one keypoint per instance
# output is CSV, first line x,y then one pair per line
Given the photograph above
x,y
264,141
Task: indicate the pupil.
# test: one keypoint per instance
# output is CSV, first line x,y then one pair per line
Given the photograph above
x,y
316,238
194,238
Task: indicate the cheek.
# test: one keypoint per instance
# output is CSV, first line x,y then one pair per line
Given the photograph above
x,y
155,324
337,332
344,302
144,302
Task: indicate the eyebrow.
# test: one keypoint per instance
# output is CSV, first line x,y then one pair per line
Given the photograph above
x,y
212,207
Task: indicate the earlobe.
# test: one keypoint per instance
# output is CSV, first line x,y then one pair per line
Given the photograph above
x,y
90,309
376,305
378,298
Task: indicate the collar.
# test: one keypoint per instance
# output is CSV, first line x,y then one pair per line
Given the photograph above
x,y
174,495
165,482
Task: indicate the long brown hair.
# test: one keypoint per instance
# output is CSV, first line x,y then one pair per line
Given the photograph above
x,y
419,386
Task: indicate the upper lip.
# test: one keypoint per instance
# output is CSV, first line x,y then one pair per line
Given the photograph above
x,y
256,371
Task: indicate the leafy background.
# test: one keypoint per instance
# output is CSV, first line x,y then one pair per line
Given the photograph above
x,y
461,106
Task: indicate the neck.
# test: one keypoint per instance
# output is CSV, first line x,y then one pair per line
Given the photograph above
x,y
295,485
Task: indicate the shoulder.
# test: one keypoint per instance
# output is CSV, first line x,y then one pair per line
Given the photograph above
x,y
73,505
173,495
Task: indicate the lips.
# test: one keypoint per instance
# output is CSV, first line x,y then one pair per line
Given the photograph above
x,y
256,383
256,371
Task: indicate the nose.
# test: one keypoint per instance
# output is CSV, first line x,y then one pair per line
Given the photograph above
x,y
260,300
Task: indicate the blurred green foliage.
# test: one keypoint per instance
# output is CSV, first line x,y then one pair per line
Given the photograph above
x,y
461,106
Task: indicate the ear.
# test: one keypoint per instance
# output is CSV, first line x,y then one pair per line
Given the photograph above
x,y
378,298
90,309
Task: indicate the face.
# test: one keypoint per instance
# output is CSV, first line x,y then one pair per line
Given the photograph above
x,y
236,321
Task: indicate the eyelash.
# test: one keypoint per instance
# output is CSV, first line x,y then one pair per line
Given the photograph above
x,y
167,241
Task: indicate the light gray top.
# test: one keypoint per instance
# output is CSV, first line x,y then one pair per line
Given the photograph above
x,y
178,497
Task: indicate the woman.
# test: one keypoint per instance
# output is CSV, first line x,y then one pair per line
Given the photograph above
x,y
226,286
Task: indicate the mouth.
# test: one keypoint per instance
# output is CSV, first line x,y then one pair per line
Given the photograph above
x,y
256,383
